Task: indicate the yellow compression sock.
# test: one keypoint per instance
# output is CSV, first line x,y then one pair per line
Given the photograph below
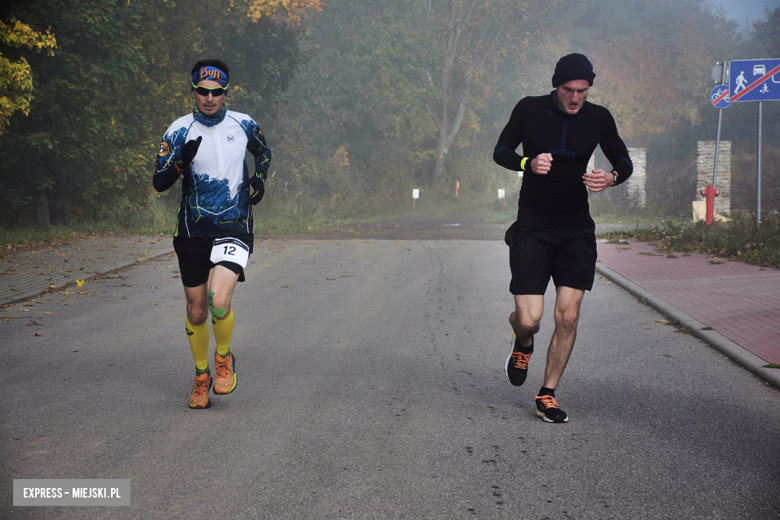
x,y
223,332
199,343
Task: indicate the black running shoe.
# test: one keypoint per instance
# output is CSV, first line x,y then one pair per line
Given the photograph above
x,y
547,409
517,363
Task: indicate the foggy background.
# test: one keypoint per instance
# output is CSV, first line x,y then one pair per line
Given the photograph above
x,y
362,101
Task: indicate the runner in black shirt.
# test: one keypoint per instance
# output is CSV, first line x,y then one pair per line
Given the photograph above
x,y
554,235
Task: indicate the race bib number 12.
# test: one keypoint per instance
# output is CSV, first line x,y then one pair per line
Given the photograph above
x,y
230,250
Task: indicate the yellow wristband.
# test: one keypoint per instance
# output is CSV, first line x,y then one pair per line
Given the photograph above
x,y
522,163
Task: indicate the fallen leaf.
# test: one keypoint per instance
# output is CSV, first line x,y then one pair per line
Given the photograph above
x,y
661,321
38,334
80,283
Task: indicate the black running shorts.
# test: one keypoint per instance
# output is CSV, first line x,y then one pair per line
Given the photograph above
x,y
566,252
195,259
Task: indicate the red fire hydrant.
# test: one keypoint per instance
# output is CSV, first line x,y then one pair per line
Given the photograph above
x,y
710,193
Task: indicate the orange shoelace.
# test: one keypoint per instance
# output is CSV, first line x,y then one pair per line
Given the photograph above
x,y
223,367
548,401
521,360
200,390
201,387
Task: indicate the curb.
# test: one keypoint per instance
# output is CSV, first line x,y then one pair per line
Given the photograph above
x,y
722,344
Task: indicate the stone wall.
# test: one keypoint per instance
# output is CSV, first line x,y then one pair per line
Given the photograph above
x,y
705,165
633,193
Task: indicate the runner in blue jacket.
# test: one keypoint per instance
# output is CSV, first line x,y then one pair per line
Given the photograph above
x,y
214,234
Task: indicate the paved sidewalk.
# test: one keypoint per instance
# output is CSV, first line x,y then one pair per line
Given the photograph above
x,y
32,272
739,302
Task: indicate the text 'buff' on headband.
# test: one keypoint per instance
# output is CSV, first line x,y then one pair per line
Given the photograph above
x,y
209,73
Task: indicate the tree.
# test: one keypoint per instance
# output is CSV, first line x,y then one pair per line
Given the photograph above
x,y
293,11
765,36
653,68
405,76
472,37
363,91
16,76
121,75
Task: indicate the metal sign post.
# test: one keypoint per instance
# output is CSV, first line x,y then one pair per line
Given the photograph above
x,y
758,171
720,98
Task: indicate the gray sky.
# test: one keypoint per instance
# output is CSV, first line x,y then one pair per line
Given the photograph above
x,y
746,11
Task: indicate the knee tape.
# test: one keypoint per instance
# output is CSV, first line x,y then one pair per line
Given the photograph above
x,y
216,312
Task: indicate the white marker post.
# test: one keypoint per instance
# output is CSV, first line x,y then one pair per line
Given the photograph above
x,y
415,196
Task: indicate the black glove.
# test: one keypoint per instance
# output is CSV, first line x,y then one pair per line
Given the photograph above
x,y
188,152
259,186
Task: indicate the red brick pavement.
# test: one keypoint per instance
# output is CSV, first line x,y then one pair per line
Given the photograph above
x,y
738,300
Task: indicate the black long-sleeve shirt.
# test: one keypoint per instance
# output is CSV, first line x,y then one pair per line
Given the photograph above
x,y
542,127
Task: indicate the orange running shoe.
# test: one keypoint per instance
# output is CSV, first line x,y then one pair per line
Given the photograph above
x,y
226,379
200,391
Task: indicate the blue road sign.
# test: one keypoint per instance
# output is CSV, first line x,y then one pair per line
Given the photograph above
x,y
754,80
720,96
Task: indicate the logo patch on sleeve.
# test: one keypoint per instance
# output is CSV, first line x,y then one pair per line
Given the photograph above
x,y
164,149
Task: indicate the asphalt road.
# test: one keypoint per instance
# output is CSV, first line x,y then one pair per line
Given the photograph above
x,y
371,385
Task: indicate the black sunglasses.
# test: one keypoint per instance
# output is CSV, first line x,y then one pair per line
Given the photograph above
x,y
205,91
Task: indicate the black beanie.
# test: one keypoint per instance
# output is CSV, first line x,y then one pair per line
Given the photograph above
x,y
573,66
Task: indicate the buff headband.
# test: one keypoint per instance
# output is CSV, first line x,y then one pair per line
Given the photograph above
x,y
209,73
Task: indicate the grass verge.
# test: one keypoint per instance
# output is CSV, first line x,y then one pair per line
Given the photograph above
x,y
739,239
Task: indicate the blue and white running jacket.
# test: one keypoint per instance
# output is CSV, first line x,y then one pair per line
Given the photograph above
x,y
215,187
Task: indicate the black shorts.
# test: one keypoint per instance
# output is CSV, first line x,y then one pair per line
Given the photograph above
x,y
195,259
566,252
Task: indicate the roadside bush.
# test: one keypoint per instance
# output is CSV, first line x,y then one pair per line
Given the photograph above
x,y
744,168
